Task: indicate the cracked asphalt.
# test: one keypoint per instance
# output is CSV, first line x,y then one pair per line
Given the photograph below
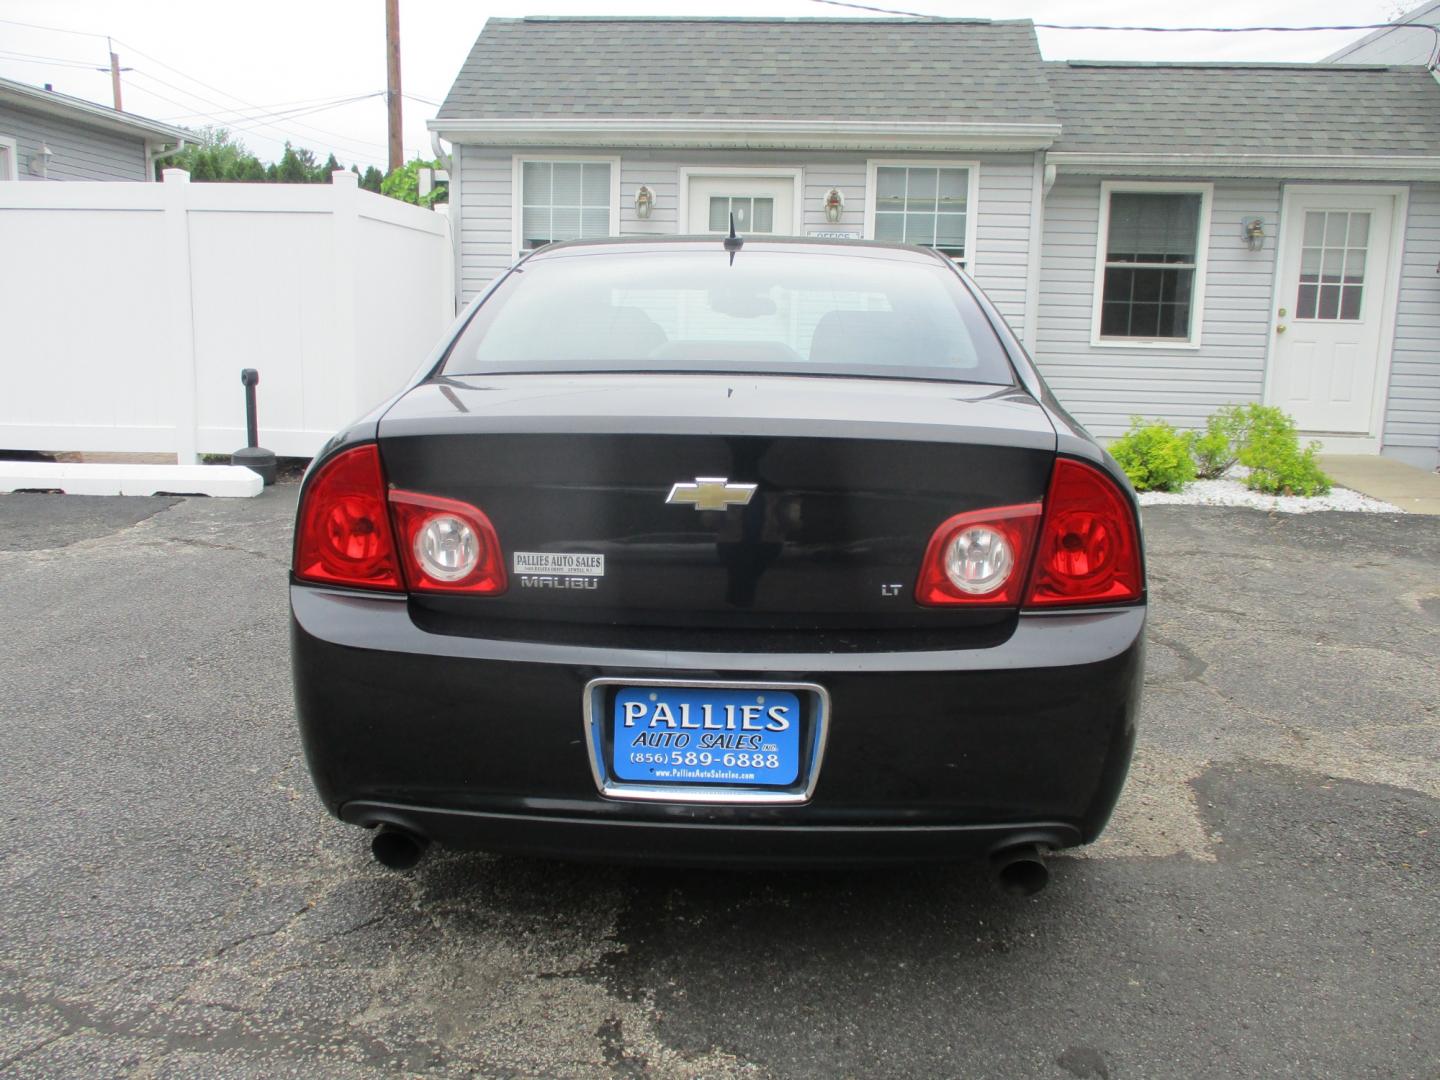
x,y
174,901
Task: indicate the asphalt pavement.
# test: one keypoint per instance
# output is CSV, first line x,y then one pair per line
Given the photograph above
x,y
175,902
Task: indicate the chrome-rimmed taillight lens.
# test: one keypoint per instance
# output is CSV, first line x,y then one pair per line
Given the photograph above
x,y
978,558
447,546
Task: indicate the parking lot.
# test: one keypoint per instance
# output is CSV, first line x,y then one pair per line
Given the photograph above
x,y
177,903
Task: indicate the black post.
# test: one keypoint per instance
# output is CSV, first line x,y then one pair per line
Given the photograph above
x,y
253,456
251,378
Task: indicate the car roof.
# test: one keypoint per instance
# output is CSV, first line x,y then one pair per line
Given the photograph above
x,y
630,245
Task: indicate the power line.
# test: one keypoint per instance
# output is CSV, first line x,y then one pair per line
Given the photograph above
x,y
1157,29
1433,60
50,61
878,10
248,104
276,105
261,117
53,29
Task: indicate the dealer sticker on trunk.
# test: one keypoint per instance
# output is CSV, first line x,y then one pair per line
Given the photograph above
x,y
564,563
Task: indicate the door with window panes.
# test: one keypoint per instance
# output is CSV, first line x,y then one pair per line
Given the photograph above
x,y
762,205
1335,268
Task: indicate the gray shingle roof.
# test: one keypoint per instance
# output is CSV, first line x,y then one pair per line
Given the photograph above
x,y
1324,109
795,69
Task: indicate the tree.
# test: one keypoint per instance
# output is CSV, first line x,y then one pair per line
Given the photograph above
x,y
214,155
404,184
297,167
372,179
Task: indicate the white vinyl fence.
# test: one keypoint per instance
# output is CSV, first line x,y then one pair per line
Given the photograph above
x,y
127,311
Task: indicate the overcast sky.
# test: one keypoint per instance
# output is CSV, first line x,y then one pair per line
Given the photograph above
x,y
198,61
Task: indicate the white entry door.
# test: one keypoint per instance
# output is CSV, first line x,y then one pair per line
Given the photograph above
x,y
1335,273
761,204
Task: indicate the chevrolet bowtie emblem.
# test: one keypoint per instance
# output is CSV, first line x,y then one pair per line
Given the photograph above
x,y
711,493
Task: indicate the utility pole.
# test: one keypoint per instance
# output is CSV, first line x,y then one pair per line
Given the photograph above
x,y
392,82
114,74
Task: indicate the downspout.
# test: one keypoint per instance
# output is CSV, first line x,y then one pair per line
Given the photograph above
x,y
1042,176
453,209
152,156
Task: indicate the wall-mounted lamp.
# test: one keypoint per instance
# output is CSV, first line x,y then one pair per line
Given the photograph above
x,y
1253,229
834,204
40,161
644,202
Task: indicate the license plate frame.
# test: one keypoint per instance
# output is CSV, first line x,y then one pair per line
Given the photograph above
x,y
599,699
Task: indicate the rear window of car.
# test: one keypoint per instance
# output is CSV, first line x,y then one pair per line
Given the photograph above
x,y
781,312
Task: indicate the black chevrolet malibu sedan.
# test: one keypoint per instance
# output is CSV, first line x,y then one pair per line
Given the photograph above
x,y
765,552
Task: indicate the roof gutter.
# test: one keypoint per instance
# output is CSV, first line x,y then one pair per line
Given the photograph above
x,y
1283,166
746,133
85,112
153,155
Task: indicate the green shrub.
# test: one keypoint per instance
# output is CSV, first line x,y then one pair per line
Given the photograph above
x,y
1271,451
1155,456
1218,446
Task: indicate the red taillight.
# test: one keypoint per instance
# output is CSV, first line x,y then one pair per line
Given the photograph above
x,y
344,533
1089,546
448,546
979,558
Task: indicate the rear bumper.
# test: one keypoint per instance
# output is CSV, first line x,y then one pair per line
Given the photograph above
x,y
478,742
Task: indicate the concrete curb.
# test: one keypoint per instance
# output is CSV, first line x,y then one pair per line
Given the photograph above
x,y
223,481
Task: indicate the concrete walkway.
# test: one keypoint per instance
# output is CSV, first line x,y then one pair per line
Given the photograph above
x,y
1413,490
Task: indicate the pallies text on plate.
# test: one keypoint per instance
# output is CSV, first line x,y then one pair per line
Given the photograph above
x,y
728,718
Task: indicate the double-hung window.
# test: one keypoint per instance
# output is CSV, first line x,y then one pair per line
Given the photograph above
x,y
924,204
564,200
1152,257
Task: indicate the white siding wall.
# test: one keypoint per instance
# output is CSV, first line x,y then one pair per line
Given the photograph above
x,y
1412,414
81,153
1105,386
484,218
1002,233
1002,228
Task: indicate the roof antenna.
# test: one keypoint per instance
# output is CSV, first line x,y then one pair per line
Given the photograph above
x,y
733,243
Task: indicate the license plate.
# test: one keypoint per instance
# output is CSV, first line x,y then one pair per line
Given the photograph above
x,y
705,735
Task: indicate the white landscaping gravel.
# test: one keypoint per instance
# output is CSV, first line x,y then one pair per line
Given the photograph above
x,y
1231,491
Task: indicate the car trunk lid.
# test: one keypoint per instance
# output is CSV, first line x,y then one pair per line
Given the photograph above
x,y
850,478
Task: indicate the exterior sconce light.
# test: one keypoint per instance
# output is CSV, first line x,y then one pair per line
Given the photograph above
x,y
1253,230
834,205
40,161
644,202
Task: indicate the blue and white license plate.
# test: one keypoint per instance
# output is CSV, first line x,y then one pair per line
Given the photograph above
x,y
705,735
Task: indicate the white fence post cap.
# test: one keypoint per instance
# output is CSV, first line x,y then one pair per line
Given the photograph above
x,y
176,176
344,178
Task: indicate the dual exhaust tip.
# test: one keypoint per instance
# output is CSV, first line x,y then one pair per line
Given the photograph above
x,y
1019,869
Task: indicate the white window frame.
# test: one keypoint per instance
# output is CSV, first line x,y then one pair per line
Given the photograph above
x,y
686,173
1206,191
12,170
517,201
972,195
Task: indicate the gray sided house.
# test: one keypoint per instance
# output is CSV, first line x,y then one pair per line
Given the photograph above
x,y
49,136
1166,238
